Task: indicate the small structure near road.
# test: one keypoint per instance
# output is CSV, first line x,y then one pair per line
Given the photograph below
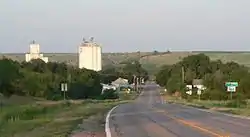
x,y
107,87
119,82
122,85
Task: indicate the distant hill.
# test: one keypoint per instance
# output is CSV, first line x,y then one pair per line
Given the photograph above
x,y
152,61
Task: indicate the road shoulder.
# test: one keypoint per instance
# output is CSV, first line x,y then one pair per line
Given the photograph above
x,y
205,109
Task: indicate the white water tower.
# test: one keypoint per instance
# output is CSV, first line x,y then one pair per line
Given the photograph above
x,y
90,55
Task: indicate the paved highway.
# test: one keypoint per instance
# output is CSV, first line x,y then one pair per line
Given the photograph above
x,y
148,116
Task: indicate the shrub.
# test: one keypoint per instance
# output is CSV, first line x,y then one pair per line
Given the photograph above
x,y
109,94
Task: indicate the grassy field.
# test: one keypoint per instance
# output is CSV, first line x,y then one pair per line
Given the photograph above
x,y
27,117
153,62
228,106
71,58
150,60
171,58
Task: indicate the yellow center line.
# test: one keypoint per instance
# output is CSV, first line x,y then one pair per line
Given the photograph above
x,y
190,124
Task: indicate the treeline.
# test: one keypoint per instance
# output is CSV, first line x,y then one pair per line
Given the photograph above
x,y
39,79
128,70
213,73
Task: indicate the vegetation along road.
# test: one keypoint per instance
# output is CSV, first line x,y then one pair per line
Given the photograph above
x,y
33,105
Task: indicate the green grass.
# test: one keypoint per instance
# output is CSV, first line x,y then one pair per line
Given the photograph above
x,y
46,119
232,107
154,62
241,58
18,100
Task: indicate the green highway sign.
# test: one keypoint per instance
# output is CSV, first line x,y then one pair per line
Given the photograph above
x,y
231,84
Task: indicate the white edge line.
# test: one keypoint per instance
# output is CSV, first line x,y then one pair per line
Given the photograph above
x,y
107,128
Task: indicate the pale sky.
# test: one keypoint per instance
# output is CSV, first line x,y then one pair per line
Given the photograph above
x,y
125,25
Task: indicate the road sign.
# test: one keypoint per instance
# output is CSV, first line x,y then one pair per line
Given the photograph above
x,y
142,81
231,89
199,86
198,92
64,87
235,84
189,87
189,92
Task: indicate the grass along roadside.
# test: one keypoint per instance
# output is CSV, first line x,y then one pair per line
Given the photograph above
x,y
129,96
46,119
231,107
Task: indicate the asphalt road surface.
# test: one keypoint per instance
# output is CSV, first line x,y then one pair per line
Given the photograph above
x,y
148,116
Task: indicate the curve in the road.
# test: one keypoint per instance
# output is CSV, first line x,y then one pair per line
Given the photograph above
x,y
107,129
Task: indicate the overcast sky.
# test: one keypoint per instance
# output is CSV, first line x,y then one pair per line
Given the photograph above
x,y
125,25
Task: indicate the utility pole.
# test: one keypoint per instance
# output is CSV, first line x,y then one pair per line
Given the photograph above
x,y
134,82
69,78
183,74
66,83
137,81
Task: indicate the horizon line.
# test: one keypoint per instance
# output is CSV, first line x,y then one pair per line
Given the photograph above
x,y
222,51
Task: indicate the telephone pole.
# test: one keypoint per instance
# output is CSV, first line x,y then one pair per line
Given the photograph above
x,y
183,74
134,82
137,82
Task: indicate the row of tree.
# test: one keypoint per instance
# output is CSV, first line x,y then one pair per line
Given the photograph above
x,y
127,70
40,79
213,73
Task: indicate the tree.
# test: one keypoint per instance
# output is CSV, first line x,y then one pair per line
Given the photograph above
x,y
9,76
127,71
108,75
163,75
198,63
134,69
155,52
40,79
213,73
36,65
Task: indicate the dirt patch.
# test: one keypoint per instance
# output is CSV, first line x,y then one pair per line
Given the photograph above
x,y
91,127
